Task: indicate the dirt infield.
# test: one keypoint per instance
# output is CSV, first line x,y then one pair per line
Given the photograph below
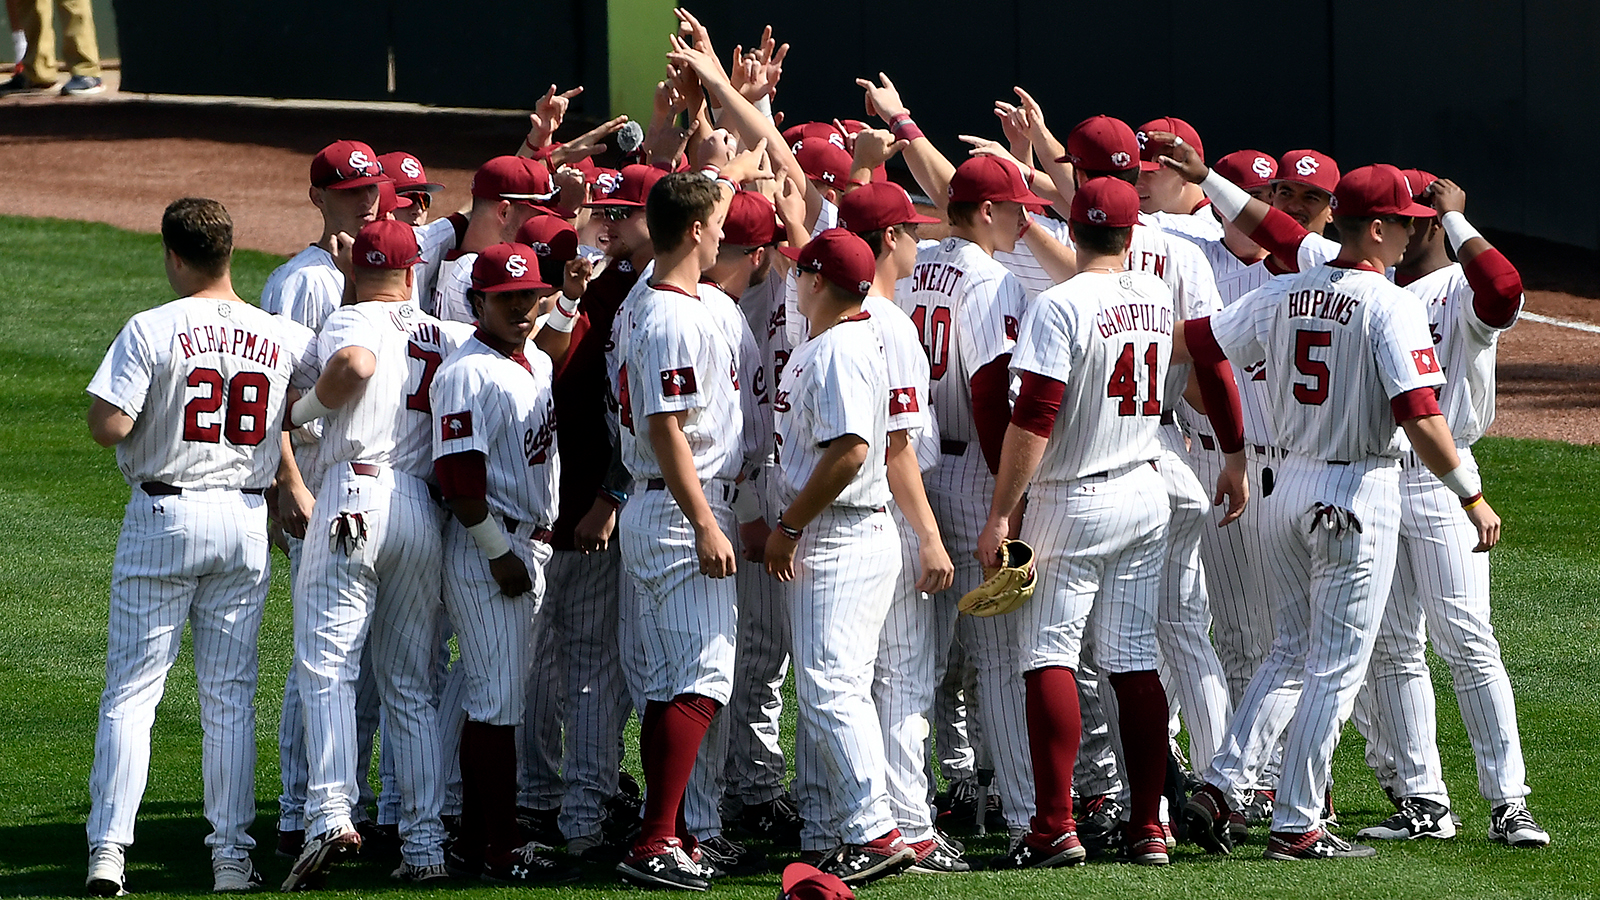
x,y
122,162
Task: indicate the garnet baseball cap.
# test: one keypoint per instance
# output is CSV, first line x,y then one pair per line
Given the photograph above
x,y
752,220
603,182
389,200
407,172
840,256
554,242
513,178
345,164
987,178
1249,169
804,882
507,267
1102,144
385,244
875,206
1310,168
633,186
823,160
1419,181
1106,201
794,134
1149,149
1378,190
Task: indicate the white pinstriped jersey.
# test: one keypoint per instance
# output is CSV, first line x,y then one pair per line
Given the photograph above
x,y
1023,264
1316,250
391,422
1201,225
670,354
966,308
307,288
835,384
204,381
1183,267
450,294
1108,338
906,364
1466,347
794,322
487,402
753,400
1331,333
433,240
1235,278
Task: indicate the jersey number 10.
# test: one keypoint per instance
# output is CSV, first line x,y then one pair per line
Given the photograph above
x,y
1124,383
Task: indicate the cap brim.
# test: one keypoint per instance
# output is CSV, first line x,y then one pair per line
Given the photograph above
x,y
920,219
1064,159
1149,165
791,252
521,284
609,201
794,873
1418,210
350,183
1029,198
425,186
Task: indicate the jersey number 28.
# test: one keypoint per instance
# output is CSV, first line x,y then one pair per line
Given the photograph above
x,y
245,396
1124,383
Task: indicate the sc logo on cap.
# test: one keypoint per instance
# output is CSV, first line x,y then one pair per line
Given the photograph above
x,y
1306,165
1121,159
516,265
864,286
411,167
359,160
1096,215
540,248
1262,167
1143,139
376,258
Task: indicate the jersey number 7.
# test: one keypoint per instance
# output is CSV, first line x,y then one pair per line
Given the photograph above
x,y
1124,383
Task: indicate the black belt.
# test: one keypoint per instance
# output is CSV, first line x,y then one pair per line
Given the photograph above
x,y
953,448
1207,441
1338,462
660,484
162,489
1170,417
539,534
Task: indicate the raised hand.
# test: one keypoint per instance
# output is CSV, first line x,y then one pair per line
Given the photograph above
x,y
882,100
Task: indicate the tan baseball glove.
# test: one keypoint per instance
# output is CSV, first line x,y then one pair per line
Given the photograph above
x,y
1005,588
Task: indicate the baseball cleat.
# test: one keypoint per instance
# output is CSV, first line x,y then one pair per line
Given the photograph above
x,y
106,877
857,864
234,875
524,865
290,843
958,809
1100,824
776,820
727,857
1514,826
411,874
1318,844
79,85
1417,818
1258,809
540,825
1238,828
319,855
1151,850
663,864
1038,851
1205,819
937,856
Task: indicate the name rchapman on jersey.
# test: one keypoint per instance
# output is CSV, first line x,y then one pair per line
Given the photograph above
x,y
1315,304
1134,317
217,339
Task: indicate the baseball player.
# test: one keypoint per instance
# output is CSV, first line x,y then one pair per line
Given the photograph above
x,y
411,183
1098,348
1331,530
1469,303
506,192
1290,227
831,414
1165,199
192,395
919,630
373,557
495,455
676,380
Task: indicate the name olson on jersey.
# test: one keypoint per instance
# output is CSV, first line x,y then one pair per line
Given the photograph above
x,y
1133,317
1330,305
237,341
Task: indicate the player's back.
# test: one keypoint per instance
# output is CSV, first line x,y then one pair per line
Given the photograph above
x,y
907,368
1108,338
218,374
965,307
841,369
389,423
1465,346
307,288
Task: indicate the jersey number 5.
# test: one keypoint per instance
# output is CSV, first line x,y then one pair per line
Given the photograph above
x,y
1316,392
1124,383
245,396
934,329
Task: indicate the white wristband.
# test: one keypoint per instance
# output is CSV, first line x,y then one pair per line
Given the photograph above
x,y
563,318
308,407
763,105
746,506
491,540
1463,481
1457,229
1227,197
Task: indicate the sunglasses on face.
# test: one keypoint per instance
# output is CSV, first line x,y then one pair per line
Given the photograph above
x,y
811,268
422,199
616,213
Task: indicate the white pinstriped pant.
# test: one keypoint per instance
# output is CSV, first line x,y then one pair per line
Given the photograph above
x,y
495,633
389,590
1441,590
199,557
846,563
1328,593
913,649
756,767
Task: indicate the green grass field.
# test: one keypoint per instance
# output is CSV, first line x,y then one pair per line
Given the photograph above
x,y
67,287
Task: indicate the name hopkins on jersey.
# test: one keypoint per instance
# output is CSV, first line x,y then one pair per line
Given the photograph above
x,y
1315,304
1133,317
216,339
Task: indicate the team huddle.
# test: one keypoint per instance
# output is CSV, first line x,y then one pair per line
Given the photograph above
x,y
652,440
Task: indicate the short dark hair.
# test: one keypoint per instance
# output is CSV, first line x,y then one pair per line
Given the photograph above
x,y
1102,239
1131,176
961,214
1354,225
874,239
199,232
676,202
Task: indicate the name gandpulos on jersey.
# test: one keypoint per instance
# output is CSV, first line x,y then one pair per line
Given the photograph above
x,y
1319,304
1133,317
237,341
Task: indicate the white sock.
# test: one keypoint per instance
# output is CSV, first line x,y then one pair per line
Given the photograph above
x,y
19,44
